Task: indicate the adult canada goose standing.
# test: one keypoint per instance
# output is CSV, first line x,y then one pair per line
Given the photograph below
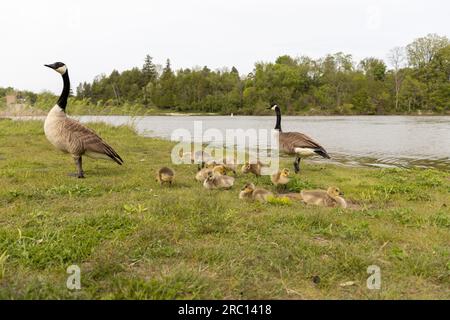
x,y
296,143
69,135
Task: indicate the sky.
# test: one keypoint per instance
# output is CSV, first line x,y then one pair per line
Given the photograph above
x,y
94,37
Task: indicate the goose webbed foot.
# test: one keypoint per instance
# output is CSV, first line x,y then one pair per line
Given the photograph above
x,y
76,175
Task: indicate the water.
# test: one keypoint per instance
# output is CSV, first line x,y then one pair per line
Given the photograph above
x,y
398,141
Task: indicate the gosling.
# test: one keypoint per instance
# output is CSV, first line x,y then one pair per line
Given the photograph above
x,y
254,168
330,198
280,178
250,192
165,175
203,173
228,163
217,181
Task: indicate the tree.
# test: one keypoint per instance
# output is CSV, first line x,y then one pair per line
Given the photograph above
x,y
149,75
375,74
336,77
422,50
331,84
149,70
164,91
373,68
397,59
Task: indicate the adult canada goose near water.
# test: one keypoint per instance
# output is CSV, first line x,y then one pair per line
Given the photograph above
x,y
296,143
69,135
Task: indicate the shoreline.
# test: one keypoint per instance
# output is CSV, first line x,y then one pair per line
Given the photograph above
x,y
190,114
25,110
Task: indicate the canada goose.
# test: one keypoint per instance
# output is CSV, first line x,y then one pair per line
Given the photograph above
x,y
165,175
296,143
250,192
216,181
281,177
254,168
69,135
330,198
203,173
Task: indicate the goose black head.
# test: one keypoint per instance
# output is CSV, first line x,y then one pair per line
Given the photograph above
x,y
59,67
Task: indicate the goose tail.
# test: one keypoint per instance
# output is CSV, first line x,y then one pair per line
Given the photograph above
x,y
110,152
322,153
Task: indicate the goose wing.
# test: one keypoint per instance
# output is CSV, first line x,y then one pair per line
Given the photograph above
x,y
289,141
88,141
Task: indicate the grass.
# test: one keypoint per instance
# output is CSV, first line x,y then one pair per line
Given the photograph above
x,y
133,239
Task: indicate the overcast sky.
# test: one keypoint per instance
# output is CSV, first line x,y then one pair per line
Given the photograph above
x,y
94,37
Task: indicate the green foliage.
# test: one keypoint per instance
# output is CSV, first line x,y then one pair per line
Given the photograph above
x,y
280,201
3,258
334,84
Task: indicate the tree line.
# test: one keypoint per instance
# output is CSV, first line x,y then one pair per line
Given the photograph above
x,y
417,80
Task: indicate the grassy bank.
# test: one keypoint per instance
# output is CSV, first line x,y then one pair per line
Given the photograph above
x,y
134,239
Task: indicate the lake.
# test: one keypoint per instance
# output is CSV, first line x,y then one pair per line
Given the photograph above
x,y
385,141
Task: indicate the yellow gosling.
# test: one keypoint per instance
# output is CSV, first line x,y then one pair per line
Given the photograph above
x,y
332,197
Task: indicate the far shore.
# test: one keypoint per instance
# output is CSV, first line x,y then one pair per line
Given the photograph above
x,y
35,112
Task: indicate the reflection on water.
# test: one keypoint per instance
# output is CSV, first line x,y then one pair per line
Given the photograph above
x,y
398,141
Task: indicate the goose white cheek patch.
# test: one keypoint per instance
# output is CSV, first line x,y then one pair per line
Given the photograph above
x,y
61,70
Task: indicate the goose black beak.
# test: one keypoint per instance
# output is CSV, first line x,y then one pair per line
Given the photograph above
x,y
51,66
269,108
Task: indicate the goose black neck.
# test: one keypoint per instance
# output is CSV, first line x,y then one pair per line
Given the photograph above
x,y
278,125
62,101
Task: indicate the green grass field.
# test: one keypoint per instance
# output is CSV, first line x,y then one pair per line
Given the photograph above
x,y
133,239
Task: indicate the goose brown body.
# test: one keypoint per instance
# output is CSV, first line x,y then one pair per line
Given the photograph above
x,y
299,143
70,136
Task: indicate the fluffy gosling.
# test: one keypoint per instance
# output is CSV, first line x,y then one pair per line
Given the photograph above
x,y
330,198
280,178
203,173
228,163
250,192
254,168
165,175
217,181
